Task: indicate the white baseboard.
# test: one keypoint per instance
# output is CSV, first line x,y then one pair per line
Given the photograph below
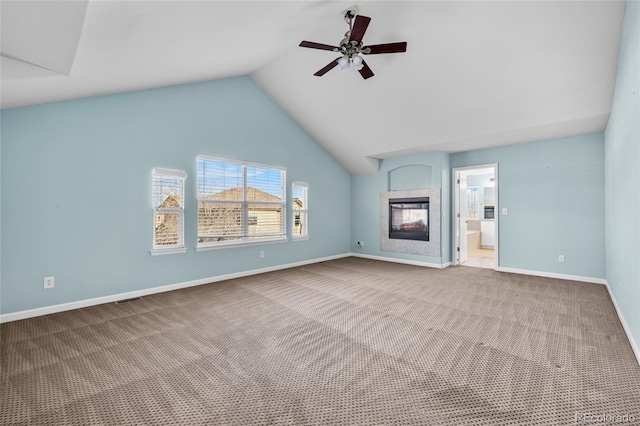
x,y
405,261
30,313
633,343
553,275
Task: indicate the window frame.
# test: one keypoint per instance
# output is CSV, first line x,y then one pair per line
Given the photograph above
x,y
180,246
245,238
304,212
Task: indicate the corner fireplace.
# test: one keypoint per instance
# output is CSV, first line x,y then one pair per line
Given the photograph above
x,y
409,218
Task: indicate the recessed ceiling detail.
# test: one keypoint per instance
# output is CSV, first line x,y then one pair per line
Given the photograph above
x,y
40,38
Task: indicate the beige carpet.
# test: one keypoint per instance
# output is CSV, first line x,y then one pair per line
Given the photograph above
x,y
346,342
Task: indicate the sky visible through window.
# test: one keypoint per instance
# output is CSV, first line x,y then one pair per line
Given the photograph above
x,y
298,192
164,186
217,176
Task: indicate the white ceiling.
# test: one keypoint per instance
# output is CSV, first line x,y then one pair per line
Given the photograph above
x,y
476,74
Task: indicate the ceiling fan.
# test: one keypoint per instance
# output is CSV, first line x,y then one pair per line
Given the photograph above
x,y
351,47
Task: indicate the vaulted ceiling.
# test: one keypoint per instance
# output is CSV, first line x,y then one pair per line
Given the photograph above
x,y
476,74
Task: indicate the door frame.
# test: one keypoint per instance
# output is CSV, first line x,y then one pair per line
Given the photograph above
x,y
455,204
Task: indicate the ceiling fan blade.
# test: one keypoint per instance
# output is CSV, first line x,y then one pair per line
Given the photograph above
x,y
366,72
386,48
326,69
359,28
320,46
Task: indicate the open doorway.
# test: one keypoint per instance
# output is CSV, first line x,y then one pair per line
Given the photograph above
x,y
475,216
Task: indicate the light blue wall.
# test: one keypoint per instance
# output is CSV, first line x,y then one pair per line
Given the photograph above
x,y
411,176
554,192
0,208
622,177
365,210
76,188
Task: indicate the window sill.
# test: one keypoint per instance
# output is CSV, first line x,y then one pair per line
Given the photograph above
x,y
161,252
240,244
301,238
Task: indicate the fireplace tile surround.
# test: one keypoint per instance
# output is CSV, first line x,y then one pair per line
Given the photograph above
x,y
425,248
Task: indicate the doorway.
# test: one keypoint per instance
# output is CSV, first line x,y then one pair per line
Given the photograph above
x,y
475,216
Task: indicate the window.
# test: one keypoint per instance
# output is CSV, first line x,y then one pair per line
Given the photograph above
x,y
239,203
300,209
473,202
168,211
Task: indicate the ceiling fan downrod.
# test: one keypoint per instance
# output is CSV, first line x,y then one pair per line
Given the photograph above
x,y
350,49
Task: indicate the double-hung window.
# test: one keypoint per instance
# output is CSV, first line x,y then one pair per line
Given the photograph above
x,y
168,211
239,202
300,210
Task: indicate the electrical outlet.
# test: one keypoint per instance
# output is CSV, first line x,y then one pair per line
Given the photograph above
x,y
561,258
505,211
261,253
49,282
360,244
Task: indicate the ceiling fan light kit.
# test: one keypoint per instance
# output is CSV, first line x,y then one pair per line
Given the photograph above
x,y
352,47
351,64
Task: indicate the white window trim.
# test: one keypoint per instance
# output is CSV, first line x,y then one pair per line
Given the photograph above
x,y
231,244
246,240
180,247
305,210
161,252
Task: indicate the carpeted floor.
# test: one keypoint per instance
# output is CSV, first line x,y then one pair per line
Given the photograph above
x,y
346,342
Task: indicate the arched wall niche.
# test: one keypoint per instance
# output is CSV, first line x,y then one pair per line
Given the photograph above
x,y
411,176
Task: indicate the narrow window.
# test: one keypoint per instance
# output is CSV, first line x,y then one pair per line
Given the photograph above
x,y
239,203
473,202
300,209
168,211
